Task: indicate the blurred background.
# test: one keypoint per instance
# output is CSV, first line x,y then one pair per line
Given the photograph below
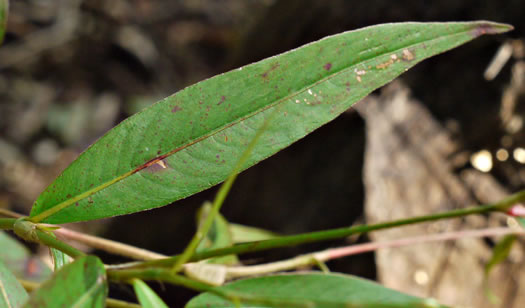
x,y
72,69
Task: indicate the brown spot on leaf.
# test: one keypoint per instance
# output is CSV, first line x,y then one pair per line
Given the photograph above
x,y
408,55
158,166
327,66
274,66
387,63
489,28
223,98
176,109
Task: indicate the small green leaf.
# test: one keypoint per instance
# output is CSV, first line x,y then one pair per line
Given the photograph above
x,y
59,258
81,283
191,140
243,234
521,221
20,260
219,236
311,290
500,252
147,297
12,294
4,10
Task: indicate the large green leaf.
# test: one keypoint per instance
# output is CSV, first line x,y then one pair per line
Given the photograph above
x,y
4,9
311,290
81,283
191,140
20,260
12,294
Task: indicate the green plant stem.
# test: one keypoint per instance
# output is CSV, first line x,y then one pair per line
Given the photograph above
x,y
51,241
41,237
7,223
203,230
158,274
166,275
318,258
293,240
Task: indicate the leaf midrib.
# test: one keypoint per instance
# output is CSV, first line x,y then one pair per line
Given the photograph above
x,y
64,204
4,294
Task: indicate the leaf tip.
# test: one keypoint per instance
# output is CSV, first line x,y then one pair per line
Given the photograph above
x,y
488,27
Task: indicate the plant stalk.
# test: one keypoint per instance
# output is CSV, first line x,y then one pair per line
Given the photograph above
x,y
312,259
51,241
7,223
109,246
318,236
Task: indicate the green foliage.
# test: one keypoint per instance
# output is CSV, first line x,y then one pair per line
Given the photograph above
x,y
147,297
311,290
81,283
199,137
243,234
20,261
59,258
521,221
191,140
4,8
500,252
219,236
12,294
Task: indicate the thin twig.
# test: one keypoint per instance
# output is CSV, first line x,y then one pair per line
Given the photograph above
x,y
336,253
92,241
318,236
8,213
110,246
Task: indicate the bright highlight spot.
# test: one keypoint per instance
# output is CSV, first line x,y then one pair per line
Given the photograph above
x,y
482,160
502,155
421,277
519,155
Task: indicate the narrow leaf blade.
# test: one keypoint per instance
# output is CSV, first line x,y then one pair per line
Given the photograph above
x,y
243,234
191,140
311,290
59,258
521,221
81,283
147,297
12,294
500,252
219,236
